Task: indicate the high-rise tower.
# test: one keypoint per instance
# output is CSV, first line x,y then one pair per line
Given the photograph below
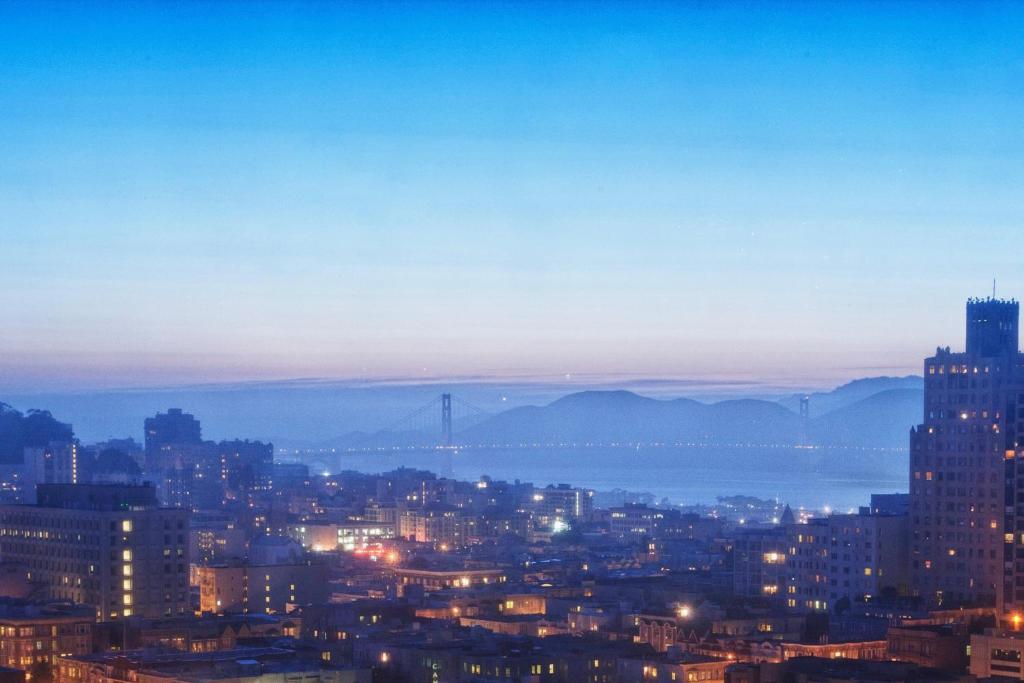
x,y
963,463
992,327
166,430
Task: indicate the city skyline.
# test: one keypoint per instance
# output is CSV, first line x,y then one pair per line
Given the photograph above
x,y
749,192
453,341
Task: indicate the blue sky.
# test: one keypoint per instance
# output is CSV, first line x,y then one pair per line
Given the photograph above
x,y
796,192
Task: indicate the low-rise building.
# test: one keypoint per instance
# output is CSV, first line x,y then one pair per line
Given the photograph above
x,y
34,634
348,536
240,665
997,653
271,588
443,579
679,667
861,649
553,507
438,524
939,647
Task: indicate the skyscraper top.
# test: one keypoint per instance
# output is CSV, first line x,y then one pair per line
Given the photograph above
x,y
992,326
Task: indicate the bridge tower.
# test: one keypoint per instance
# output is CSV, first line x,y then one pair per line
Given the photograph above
x,y
446,419
805,418
447,460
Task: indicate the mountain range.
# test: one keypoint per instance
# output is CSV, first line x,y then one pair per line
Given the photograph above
x,y
868,413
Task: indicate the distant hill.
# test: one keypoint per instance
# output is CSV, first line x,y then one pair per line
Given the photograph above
x,y
622,416
859,389
882,419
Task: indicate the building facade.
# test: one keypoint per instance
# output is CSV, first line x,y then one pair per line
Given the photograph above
x,y
867,556
997,653
33,634
270,589
163,430
961,497
105,545
439,524
759,563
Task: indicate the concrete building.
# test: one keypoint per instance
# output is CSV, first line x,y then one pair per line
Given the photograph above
x,y
552,507
890,503
997,653
216,537
759,563
637,521
239,665
659,630
682,667
960,457
270,589
245,466
33,634
165,430
867,555
439,524
808,565
56,463
105,545
347,536
437,580
940,646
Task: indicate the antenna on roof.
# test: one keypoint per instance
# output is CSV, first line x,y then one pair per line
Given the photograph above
x,y
993,288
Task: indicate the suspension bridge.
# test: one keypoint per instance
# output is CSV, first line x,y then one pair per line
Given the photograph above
x,y
433,427
441,426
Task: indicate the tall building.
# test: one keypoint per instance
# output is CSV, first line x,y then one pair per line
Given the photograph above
x,y
55,463
105,545
245,466
759,563
167,429
962,465
808,565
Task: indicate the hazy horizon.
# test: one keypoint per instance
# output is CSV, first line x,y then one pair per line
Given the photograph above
x,y
695,386
315,410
